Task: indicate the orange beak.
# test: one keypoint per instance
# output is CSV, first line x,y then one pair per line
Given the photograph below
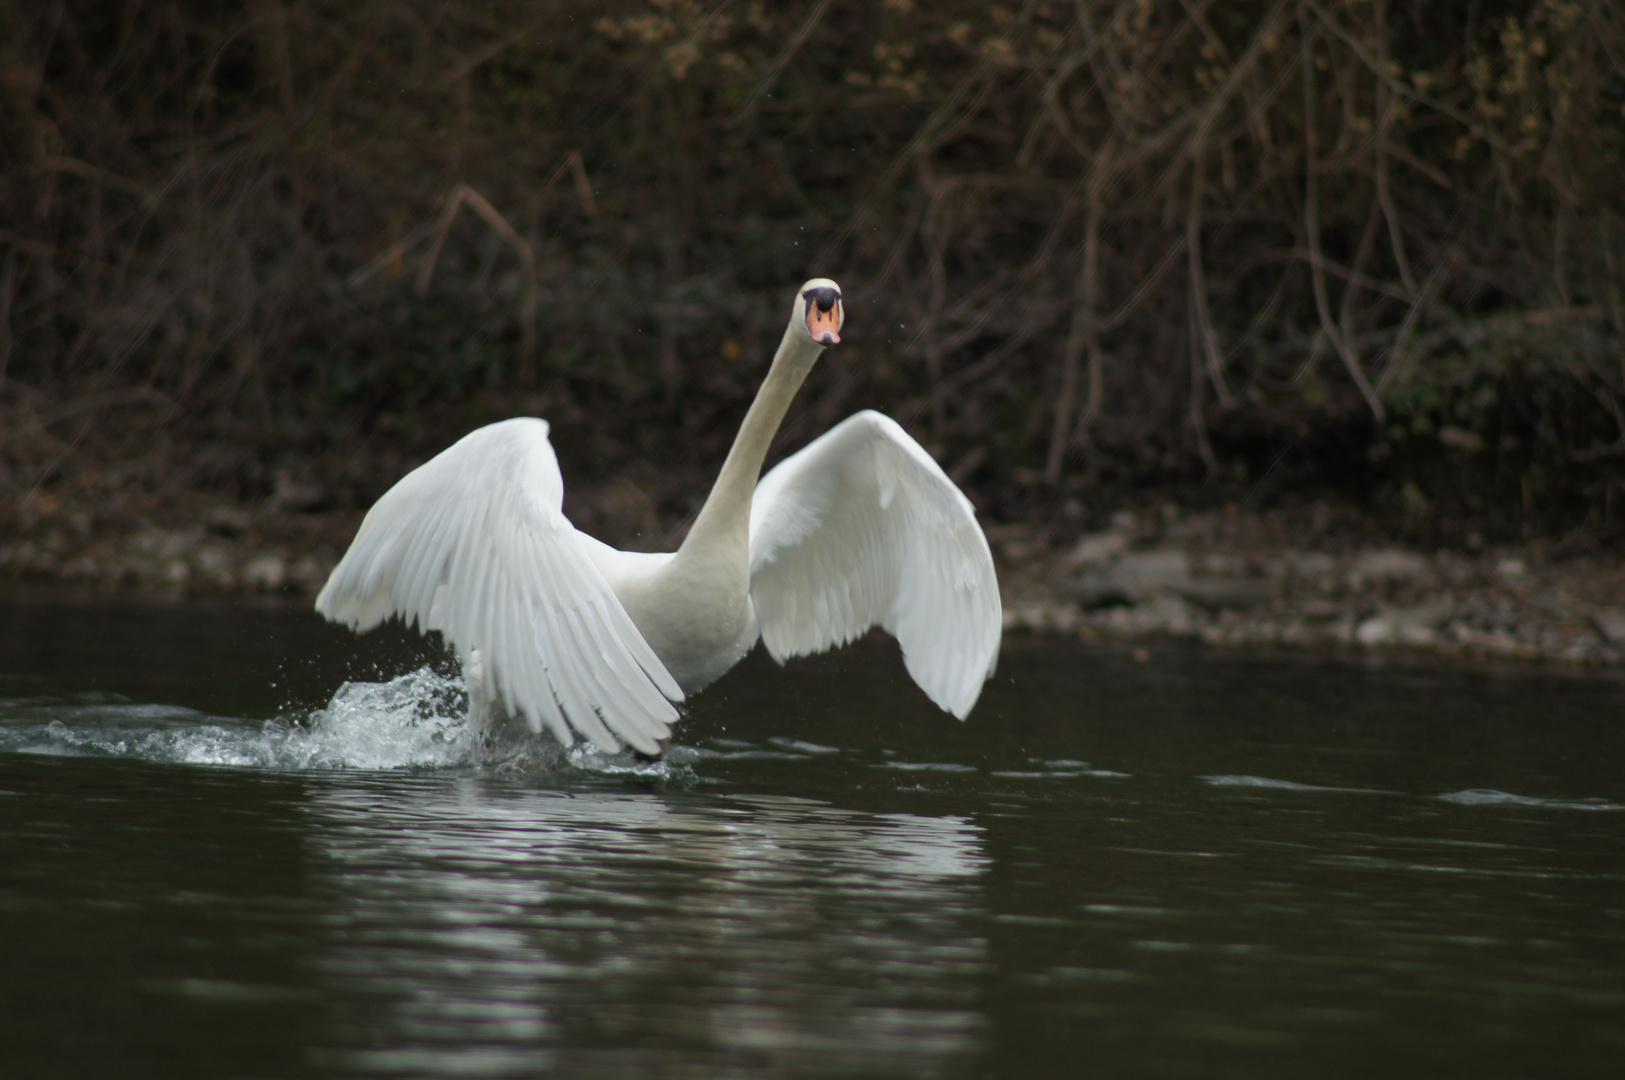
x,y
825,326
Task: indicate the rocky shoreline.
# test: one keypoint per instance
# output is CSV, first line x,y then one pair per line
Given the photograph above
x,y
1224,578
221,548
1233,580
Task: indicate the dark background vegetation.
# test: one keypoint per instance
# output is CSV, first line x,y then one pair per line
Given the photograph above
x,y
1093,252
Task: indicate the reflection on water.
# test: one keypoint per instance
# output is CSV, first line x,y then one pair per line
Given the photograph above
x,y
1201,865
490,931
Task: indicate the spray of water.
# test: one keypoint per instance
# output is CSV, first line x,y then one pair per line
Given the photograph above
x,y
414,721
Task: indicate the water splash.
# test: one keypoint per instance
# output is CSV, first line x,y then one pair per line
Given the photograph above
x,y
414,721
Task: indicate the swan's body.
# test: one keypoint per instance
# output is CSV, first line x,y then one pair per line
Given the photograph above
x,y
860,528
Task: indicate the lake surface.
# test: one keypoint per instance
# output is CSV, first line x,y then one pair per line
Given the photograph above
x,y
215,862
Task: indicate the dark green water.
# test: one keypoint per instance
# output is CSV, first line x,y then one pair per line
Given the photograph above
x,y
1203,865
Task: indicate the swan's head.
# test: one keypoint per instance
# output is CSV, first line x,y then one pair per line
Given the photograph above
x,y
818,310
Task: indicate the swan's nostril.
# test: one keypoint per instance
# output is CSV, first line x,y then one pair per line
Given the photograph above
x,y
824,326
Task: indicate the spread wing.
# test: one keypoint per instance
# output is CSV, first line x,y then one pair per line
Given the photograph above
x,y
475,544
863,528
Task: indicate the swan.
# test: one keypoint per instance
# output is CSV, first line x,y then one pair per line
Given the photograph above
x,y
860,528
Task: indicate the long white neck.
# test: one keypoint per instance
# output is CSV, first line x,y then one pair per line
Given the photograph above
x,y
722,529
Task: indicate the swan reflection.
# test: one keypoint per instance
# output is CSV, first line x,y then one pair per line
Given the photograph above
x,y
486,930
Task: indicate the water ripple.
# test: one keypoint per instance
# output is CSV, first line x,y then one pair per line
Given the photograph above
x,y
1283,785
1491,797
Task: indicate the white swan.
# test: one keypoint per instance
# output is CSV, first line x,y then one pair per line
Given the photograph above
x,y
860,528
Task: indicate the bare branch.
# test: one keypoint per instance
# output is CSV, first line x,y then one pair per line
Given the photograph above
x,y
782,61
461,194
1311,222
1082,336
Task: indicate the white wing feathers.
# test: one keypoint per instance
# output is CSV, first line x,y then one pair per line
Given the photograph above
x,y
475,544
862,528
